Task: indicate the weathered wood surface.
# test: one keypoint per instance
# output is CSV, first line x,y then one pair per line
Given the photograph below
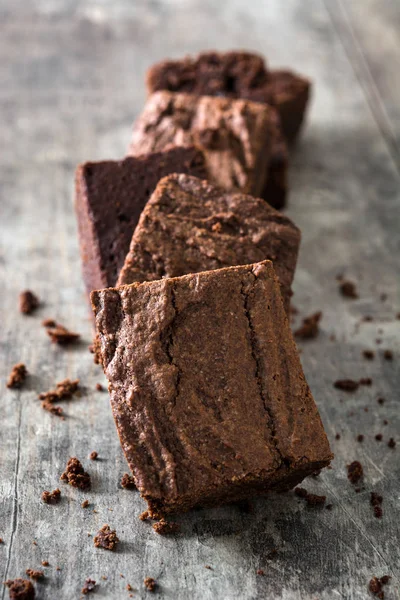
x,y
71,83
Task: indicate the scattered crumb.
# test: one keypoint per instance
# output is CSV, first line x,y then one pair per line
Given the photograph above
x,y
85,504
348,289
366,409
51,408
61,335
311,499
272,554
383,297
34,543
49,323
391,443
388,355
260,572
378,341
365,381
106,538
332,337
51,497
104,578
367,318
35,575
88,587
28,302
45,563
93,455
1,541
129,588
354,471
337,436
64,390
347,385
376,502
368,354
329,506
375,586
385,421
149,583
75,474
17,376
310,327
99,387
20,589
379,437
144,516
381,400
128,482
58,568
164,527
208,567
360,438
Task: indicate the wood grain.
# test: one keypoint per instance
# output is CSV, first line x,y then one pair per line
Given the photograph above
x,y
72,83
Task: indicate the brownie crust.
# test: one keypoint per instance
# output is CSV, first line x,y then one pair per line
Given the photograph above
x,y
235,135
236,74
110,196
189,226
207,390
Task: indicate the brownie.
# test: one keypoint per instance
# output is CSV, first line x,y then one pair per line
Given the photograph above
x,y
189,226
236,74
110,195
235,135
243,75
207,389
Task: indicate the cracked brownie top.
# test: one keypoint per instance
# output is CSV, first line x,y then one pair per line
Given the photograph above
x,y
207,389
189,226
235,135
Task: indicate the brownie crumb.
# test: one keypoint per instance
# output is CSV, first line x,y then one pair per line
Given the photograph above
x,y
260,572
388,355
163,527
354,471
1,541
49,323
311,499
150,584
144,516
310,327
375,586
20,589
347,385
89,586
75,475
128,482
45,563
93,455
51,497
99,387
381,400
329,506
379,437
85,504
64,390
385,421
360,438
17,376
367,318
368,354
209,567
106,538
376,502
35,575
28,302
61,335
391,443
365,381
53,409
348,289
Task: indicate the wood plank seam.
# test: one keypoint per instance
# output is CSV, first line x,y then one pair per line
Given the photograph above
x,y
342,26
14,515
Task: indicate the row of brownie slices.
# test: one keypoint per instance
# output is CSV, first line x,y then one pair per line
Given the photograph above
x,y
206,386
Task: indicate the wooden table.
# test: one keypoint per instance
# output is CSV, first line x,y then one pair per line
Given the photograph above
x,y
71,84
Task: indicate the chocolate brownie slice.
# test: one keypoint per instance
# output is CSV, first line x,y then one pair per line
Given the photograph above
x,y
236,74
110,195
189,225
235,135
207,390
